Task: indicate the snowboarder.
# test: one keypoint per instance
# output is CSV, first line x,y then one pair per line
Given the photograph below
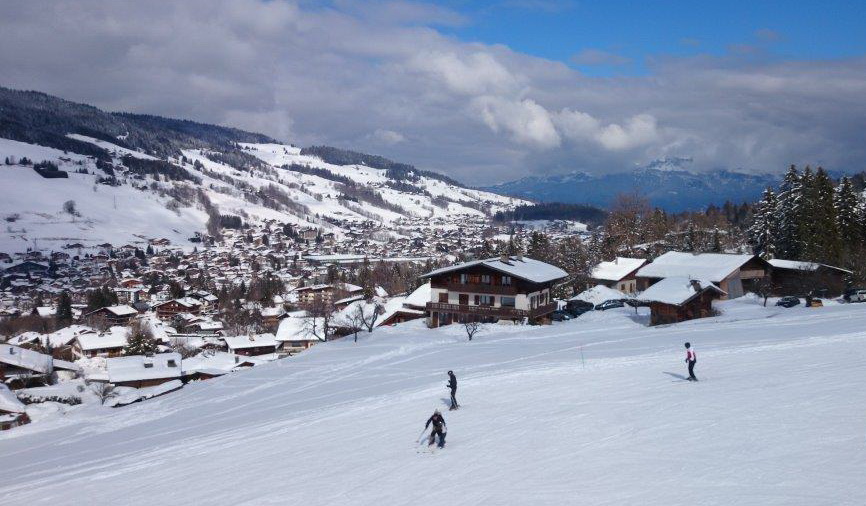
x,y
452,384
691,359
439,428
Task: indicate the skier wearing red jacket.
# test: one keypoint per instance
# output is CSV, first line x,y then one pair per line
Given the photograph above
x,y
691,359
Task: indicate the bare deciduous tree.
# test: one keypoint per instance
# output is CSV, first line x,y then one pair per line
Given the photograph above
x,y
354,321
319,319
104,391
471,327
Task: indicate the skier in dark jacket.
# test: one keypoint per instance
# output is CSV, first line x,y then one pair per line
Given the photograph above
x,y
691,359
452,384
439,428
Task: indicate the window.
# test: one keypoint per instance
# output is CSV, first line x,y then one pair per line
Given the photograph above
x,y
485,300
148,365
485,279
506,280
172,363
443,297
464,279
464,299
507,301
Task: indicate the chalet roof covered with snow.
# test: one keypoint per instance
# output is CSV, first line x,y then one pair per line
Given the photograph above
x,y
599,294
711,266
25,359
140,367
121,310
525,268
251,341
678,290
796,265
218,363
617,269
115,337
9,402
420,297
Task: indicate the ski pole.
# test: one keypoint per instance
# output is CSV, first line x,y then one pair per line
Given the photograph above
x,y
421,435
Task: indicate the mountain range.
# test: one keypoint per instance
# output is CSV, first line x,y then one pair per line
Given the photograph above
x,y
131,177
667,183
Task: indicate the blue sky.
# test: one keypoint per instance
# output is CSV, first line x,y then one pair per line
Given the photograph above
x,y
635,32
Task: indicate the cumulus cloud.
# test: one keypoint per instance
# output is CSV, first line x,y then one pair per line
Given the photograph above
x,y
524,120
381,77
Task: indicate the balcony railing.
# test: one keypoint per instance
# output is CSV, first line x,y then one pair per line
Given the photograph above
x,y
500,312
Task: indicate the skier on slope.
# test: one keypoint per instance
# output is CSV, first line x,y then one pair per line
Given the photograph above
x,y
691,359
439,428
452,385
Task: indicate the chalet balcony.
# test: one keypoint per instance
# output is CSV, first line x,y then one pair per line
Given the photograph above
x,y
482,289
505,313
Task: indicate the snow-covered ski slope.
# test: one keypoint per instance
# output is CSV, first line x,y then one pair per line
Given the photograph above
x,y
136,210
591,411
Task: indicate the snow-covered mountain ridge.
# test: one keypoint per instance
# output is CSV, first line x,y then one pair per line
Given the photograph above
x,y
593,410
122,206
667,183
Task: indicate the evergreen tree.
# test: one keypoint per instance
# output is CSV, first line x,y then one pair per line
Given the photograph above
x,y
539,247
64,310
789,203
140,340
765,228
847,207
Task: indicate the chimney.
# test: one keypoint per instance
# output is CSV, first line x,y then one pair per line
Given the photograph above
x,y
695,284
237,359
503,258
520,257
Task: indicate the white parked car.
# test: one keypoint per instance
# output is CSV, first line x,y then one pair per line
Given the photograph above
x,y
858,296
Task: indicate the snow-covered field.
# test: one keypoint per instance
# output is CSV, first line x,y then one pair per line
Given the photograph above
x,y
590,411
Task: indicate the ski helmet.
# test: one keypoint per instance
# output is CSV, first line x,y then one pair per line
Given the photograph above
x,y
688,345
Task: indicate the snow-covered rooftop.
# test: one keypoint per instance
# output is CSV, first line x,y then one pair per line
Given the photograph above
x,y
251,341
712,266
8,401
778,263
115,337
599,294
25,359
677,290
420,297
140,367
617,269
526,268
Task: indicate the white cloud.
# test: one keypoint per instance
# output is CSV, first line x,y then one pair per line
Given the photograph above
x,y
527,122
388,136
336,74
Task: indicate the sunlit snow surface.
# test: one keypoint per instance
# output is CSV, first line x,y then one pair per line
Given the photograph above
x,y
590,411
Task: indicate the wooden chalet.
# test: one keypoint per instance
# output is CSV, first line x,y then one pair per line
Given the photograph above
x,y
112,315
169,308
12,411
252,345
141,371
502,288
800,279
619,274
678,299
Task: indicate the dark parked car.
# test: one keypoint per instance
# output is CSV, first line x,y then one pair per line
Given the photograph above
x,y
788,301
577,307
854,295
609,304
560,316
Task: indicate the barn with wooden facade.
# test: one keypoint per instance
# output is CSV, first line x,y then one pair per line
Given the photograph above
x,y
800,279
677,299
502,288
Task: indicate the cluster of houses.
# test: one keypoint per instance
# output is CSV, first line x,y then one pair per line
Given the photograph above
x,y
677,286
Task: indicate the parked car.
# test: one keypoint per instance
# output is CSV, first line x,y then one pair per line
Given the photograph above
x,y
609,304
560,316
855,295
788,301
577,307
